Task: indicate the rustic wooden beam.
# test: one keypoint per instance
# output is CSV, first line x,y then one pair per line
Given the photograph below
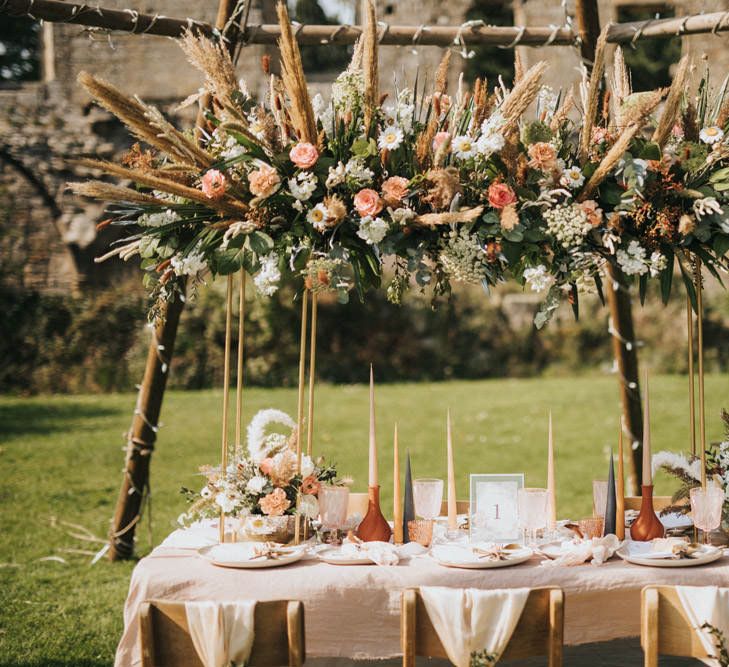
x,y
697,24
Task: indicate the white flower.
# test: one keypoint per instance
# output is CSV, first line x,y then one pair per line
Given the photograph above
x,y
190,265
232,149
572,178
390,138
336,176
309,506
372,230
298,206
463,257
401,216
538,278
493,123
302,186
463,147
257,437
490,143
237,228
165,217
348,90
324,113
633,261
267,278
256,484
317,217
307,465
658,263
677,462
711,135
225,502
547,102
568,224
205,492
706,206
357,171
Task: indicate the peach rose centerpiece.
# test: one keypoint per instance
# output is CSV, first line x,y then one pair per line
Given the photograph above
x,y
275,503
304,155
214,184
500,195
367,202
394,190
264,181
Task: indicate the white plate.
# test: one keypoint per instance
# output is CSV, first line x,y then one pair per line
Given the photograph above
x,y
708,554
519,556
229,560
336,557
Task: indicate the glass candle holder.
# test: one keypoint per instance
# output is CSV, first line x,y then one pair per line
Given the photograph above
x,y
532,504
428,497
591,527
706,507
333,503
421,531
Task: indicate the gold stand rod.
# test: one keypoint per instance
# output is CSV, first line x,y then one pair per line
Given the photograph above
x,y
691,373
239,370
226,392
698,282
312,375
300,409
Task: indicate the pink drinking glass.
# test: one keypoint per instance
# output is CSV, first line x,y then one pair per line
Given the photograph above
x,y
706,507
333,502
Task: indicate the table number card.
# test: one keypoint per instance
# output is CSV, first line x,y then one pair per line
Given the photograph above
x,y
494,515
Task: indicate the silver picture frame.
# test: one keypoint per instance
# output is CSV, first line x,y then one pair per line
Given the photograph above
x,y
493,511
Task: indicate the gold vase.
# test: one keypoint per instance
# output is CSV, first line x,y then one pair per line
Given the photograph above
x,y
255,528
647,526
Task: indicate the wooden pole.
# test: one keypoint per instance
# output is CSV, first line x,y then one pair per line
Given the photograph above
x,y
239,368
159,356
626,356
226,391
312,376
692,379
699,285
300,406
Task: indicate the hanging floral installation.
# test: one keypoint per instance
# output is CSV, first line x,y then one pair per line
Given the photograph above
x,y
478,187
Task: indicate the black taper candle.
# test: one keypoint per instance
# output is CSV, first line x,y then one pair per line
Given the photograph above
x,y
611,507
408,507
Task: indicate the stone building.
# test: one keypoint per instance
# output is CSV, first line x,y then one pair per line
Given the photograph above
x,y
48,238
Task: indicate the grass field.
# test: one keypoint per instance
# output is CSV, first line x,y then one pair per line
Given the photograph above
x,y
61,459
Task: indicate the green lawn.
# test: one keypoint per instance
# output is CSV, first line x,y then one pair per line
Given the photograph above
x,y
61,458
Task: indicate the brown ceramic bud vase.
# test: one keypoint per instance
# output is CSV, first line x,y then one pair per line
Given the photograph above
x,y
374,526
647,526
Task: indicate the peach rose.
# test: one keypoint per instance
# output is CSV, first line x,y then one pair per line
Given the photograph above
x,y
266,466
214,184
310,486
275,503
367,202
264,181
304,155
439,139
543,156
592,211
394,190
500,195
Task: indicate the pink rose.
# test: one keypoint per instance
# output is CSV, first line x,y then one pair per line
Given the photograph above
x,y
275,503
543,156
266,466
599,135
394,190
214,183
500,195
310,486
304,155
439,139
263,181
367,202
592,211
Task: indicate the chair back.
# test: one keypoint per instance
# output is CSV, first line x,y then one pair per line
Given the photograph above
x,y
664,627
462,507
659,502
540,630
165,638
358,503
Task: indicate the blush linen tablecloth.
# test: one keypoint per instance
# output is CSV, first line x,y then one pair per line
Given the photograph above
x,y
354,611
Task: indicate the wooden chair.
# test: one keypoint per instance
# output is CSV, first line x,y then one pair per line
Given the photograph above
x,y
664,627
358,503
540,630
165,639
659,502
462,507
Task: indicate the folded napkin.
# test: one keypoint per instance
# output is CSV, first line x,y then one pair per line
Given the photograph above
x,y
197,536
597,551
239,551
470,620
380,553
222,633
706,604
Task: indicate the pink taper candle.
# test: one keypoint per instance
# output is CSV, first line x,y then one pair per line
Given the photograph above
x,y
551,489
373,441
647,459
396,493
452,506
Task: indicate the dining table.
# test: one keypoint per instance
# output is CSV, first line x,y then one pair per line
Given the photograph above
x,y
353,611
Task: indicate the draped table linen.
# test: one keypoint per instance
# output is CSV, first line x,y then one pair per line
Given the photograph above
x,y
354,611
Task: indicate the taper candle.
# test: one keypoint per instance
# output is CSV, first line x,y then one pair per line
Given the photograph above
x,y
452,506
612,501
620,498
647,459
396,499
551,488
408,509
373,477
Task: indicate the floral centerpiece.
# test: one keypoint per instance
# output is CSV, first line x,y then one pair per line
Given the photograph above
x,y
263,483
474,187
687,469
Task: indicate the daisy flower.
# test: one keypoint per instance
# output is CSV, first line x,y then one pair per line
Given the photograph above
x,y
317,217
490,143
390,138
712,134
464,147
572,178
